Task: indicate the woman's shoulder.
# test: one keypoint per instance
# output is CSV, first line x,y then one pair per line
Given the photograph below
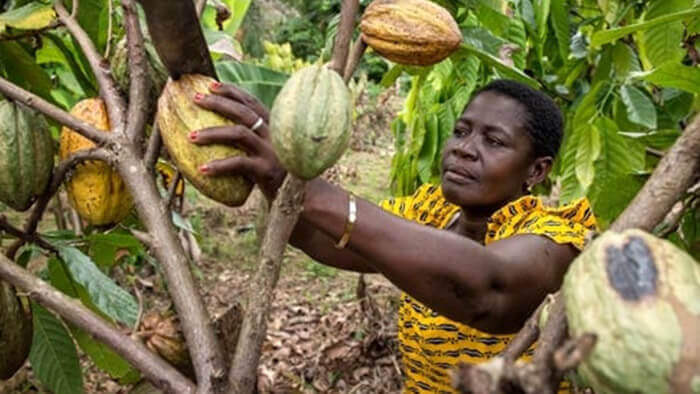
x,y
426,205
568,223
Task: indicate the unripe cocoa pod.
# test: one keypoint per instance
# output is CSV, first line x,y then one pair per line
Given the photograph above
x,y
15,331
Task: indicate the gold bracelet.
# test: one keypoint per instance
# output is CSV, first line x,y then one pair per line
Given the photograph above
x,y
352,217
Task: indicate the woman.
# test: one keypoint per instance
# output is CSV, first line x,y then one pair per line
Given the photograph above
x,y
474,256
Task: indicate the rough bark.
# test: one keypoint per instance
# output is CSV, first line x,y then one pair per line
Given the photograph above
x,y
207,354
283,217
358,49
139,84
348,12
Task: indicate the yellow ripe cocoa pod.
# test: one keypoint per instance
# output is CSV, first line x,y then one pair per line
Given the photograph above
x,y
95,190
410,32
177,116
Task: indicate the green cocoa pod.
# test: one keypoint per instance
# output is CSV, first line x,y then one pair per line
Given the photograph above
x,y
641,296
15,331
177,116
310,121
26,155
157,73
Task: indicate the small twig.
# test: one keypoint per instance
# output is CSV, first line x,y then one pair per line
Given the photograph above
x,y
139,316
358,49
570,355
200,4
31,33
33,101
654,152
153,149
172,189
139,84
525,337
57,178
114,102
74,10
145,238
15,232
348,12
108,44
159,372
670,222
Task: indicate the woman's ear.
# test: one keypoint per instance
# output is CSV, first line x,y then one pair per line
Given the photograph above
x,y
539,169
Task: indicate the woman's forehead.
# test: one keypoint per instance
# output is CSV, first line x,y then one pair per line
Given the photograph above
x,y
493,108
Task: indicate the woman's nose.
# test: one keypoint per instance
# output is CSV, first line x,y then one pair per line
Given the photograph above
x,y
466,147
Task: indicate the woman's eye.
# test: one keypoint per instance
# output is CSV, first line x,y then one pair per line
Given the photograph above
x,y
494,141
462,131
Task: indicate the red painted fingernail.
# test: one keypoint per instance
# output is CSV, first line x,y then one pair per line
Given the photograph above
x,y
215,85
204,168
194,135
198,96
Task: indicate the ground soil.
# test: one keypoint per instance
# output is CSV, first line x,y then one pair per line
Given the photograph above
x,y
327,332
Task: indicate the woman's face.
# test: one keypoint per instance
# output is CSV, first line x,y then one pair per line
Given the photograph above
x,y
489,157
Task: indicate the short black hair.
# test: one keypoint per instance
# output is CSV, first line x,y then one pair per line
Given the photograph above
x,y
544,122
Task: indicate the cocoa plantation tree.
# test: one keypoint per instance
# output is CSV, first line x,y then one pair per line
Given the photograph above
x,y
629,97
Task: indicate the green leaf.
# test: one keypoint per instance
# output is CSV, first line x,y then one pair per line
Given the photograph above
x,y
53,356
392,75
640,109
92,16
261,82
105,358
511,72
114,301
661,44
673,75
659,139
586,154
429,148
625,60
542,9
482,39
32,16
570,186
22,70
560,23
605,36
104,246
55,50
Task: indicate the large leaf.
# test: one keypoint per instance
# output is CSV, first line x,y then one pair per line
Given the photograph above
x,y
114,301
487,58
426,157
673,75
22,70
100,354
605,36
28,17
560,23
92,16
261,82
640,108
53,355
586,154
625,60
660,44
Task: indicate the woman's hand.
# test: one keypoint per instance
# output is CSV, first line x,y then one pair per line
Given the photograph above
x,y
260,165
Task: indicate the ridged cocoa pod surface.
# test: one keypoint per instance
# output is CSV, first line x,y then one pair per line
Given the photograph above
x,y
410,32
310,121
640,296
26,155
177,116
15,331
95,189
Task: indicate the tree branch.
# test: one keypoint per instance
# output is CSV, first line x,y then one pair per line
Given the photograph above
x,y
108,89
358,49
139,84
33,101
159,372
59,173
153,148
283,217
348,11
15,232
205,349
674,174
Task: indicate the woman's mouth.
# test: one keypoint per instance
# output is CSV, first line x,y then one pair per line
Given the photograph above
x,y
459,177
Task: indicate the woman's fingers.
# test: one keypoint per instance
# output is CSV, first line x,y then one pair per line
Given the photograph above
x,y
233,110
240,136
237,165
240,95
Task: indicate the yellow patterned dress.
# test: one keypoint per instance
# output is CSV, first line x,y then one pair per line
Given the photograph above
x,y
431,345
